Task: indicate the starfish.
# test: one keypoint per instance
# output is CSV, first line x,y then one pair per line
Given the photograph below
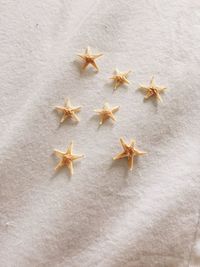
x,y
66,158
68,111
89,58
153,90
106,112
129,152
120,78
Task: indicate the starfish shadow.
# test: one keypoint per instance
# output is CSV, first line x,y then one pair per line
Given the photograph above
x,y
109,85
63,171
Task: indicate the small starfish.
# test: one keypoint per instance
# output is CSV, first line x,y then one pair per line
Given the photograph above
x,y
130,152
106,112
66,158
68,111
89,58
153,90
120,78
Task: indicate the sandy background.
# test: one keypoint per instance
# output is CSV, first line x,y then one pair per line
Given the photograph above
x,y
104,215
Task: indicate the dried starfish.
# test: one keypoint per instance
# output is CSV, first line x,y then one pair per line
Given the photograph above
x,y
89,58
106,112
129,152
68,111
153,90
66,158
120,78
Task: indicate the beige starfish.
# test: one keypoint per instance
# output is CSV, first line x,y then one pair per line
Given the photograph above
x,y
129,152
67,158
106,112
120,78
89,58
68,111
153,90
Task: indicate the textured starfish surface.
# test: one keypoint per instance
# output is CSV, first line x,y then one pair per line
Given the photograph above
x,y
129,152
106,112
68,111
89,58
66,158
120,78
153,90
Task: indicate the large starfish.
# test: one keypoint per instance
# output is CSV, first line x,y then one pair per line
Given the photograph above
x,y
68,111
67,158
153,90
129,152
89,58
106,112
120,78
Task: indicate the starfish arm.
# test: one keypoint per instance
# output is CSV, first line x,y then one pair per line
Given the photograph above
x,y
67,103
132,143
87,50
75,117
59,165
59,108
112,117
74,157
143,87
126,80
117,71
152,82
103,118
116,85
70,168
127,73
106,106
124,145
64,117
76,109
140,153
115,109
70,148
130,162
113,78
120,156
81,56
58,153
159,97
97,56
93,63
98,110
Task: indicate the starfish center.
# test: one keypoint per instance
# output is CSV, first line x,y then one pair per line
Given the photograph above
x,y
106,112
89,58
67,158
120,78
69,112
130,151
153,90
